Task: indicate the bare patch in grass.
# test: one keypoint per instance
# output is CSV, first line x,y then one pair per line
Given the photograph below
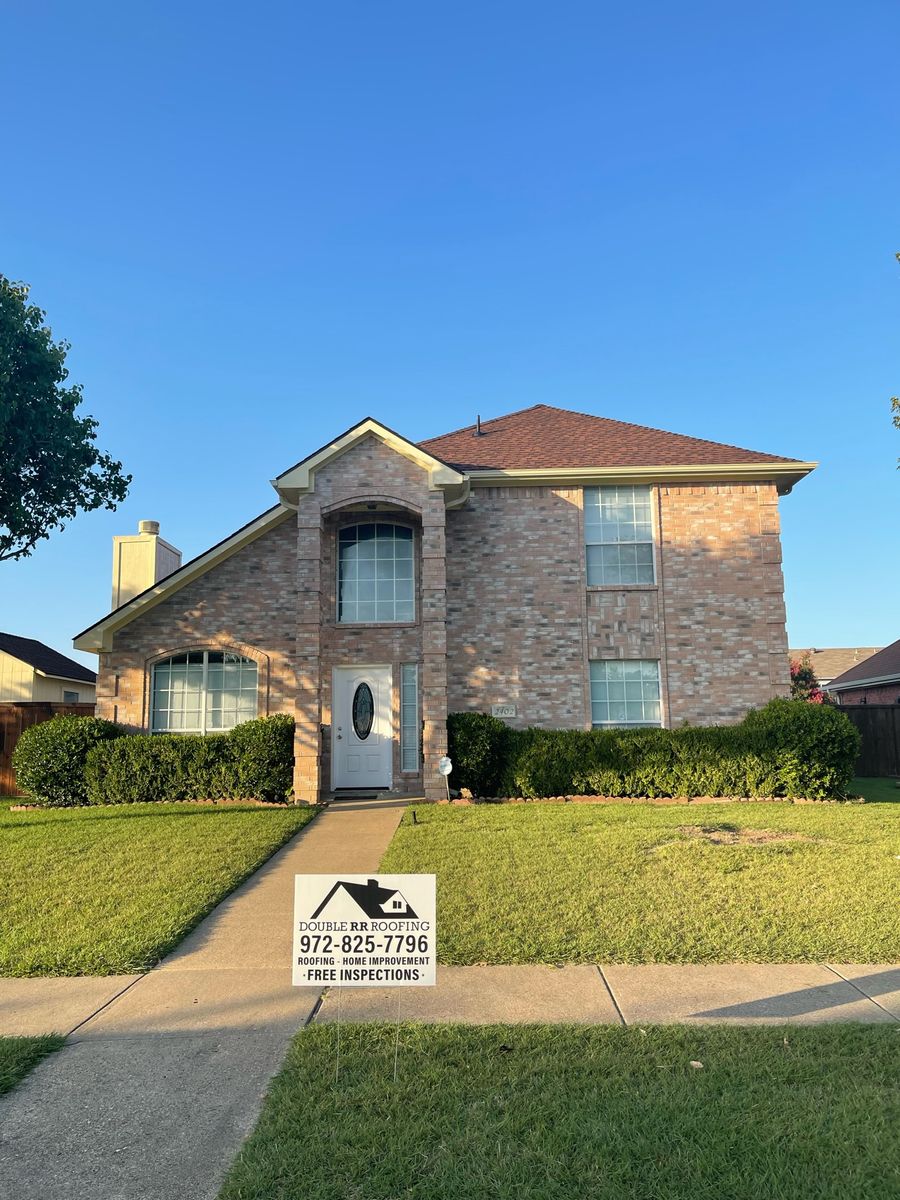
x,y
730,835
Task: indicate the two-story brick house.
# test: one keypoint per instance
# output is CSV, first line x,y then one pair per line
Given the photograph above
x,y
572,569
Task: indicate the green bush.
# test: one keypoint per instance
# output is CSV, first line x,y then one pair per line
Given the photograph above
x,y
789,748
264,751
49,758
478,747
253,761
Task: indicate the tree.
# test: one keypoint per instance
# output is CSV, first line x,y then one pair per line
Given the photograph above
x,y
804,684
50,468
895,406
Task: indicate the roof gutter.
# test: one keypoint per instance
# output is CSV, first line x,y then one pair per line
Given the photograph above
x,y
783,474
873,680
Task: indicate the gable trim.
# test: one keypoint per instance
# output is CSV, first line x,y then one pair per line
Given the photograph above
x,y
299,479
98,638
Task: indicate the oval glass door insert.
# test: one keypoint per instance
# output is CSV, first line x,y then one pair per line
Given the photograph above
x,y
363,711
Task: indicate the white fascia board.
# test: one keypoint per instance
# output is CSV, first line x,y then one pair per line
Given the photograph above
x,y
784,475
66,678
98,637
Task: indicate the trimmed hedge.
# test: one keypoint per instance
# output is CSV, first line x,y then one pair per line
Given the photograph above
x,y
788,748
49,758
253,761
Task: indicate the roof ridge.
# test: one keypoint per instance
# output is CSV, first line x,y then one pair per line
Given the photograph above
x,y
488,421
611,421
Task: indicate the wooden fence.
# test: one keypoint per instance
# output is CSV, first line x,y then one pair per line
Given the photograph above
x,y
16,717
879,725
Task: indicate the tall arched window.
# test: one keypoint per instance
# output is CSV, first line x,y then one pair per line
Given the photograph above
x,y
202,691
375,573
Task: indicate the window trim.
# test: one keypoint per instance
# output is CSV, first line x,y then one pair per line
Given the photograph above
x,y
399,524
203,731
659,724
652,542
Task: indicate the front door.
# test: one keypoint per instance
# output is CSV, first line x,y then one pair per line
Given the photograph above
x,y
361,728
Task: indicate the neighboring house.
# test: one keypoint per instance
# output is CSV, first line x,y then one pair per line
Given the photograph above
x,y
875,681
574,570
827,664
31,671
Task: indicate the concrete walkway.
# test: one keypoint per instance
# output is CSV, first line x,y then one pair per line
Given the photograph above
x,y
739,994
165,1073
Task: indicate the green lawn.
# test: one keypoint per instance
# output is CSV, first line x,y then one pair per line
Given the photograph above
x,y
556,1112
105,891
19,1054
632,883
877,790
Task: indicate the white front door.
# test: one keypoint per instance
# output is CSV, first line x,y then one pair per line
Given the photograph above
x,y
361,733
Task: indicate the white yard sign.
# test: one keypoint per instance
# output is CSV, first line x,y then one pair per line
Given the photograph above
x,y
364,930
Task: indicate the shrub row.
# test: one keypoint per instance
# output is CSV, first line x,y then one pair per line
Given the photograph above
x,y
788,748
84,760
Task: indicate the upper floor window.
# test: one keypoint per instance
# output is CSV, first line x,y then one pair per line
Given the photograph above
x,y
375,573
618,532
202,691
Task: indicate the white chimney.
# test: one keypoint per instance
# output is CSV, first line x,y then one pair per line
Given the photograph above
x,y
139,561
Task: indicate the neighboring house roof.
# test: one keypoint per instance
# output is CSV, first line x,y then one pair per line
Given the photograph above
x,y
883,667
543,437
833,661
45,660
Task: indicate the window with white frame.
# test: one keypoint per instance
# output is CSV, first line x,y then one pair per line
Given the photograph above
x,y
202,691
409,717
625,692
375,574
618,533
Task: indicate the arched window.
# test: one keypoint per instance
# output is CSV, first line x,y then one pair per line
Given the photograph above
x,y
375,574
202,691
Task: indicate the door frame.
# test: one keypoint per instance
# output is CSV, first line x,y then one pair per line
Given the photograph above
x,y
366,666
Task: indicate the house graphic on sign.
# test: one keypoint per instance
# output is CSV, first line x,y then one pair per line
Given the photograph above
x,y
375,901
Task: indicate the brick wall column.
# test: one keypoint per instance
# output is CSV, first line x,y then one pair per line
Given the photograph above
x,y
434,642
773,584
307,737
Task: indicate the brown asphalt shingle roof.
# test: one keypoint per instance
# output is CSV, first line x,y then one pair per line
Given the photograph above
x,y
833,661
547,437
885,662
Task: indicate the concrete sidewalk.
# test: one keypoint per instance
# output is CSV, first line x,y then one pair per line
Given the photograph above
x,y
739,994
165,1073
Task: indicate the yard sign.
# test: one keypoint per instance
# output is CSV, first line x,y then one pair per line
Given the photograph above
x,y
364,930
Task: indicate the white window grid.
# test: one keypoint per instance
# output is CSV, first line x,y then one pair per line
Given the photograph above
x,y
625,692
409,717
375,574
618,534
203,691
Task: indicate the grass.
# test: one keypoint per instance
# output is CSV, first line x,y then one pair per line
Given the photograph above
x,y
877,791
106,891
555,1112
19,1054
639,883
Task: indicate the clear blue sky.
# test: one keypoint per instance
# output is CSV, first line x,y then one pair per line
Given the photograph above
x,y
258,223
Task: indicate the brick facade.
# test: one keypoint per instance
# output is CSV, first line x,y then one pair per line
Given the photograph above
x,y
885,693
503,613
